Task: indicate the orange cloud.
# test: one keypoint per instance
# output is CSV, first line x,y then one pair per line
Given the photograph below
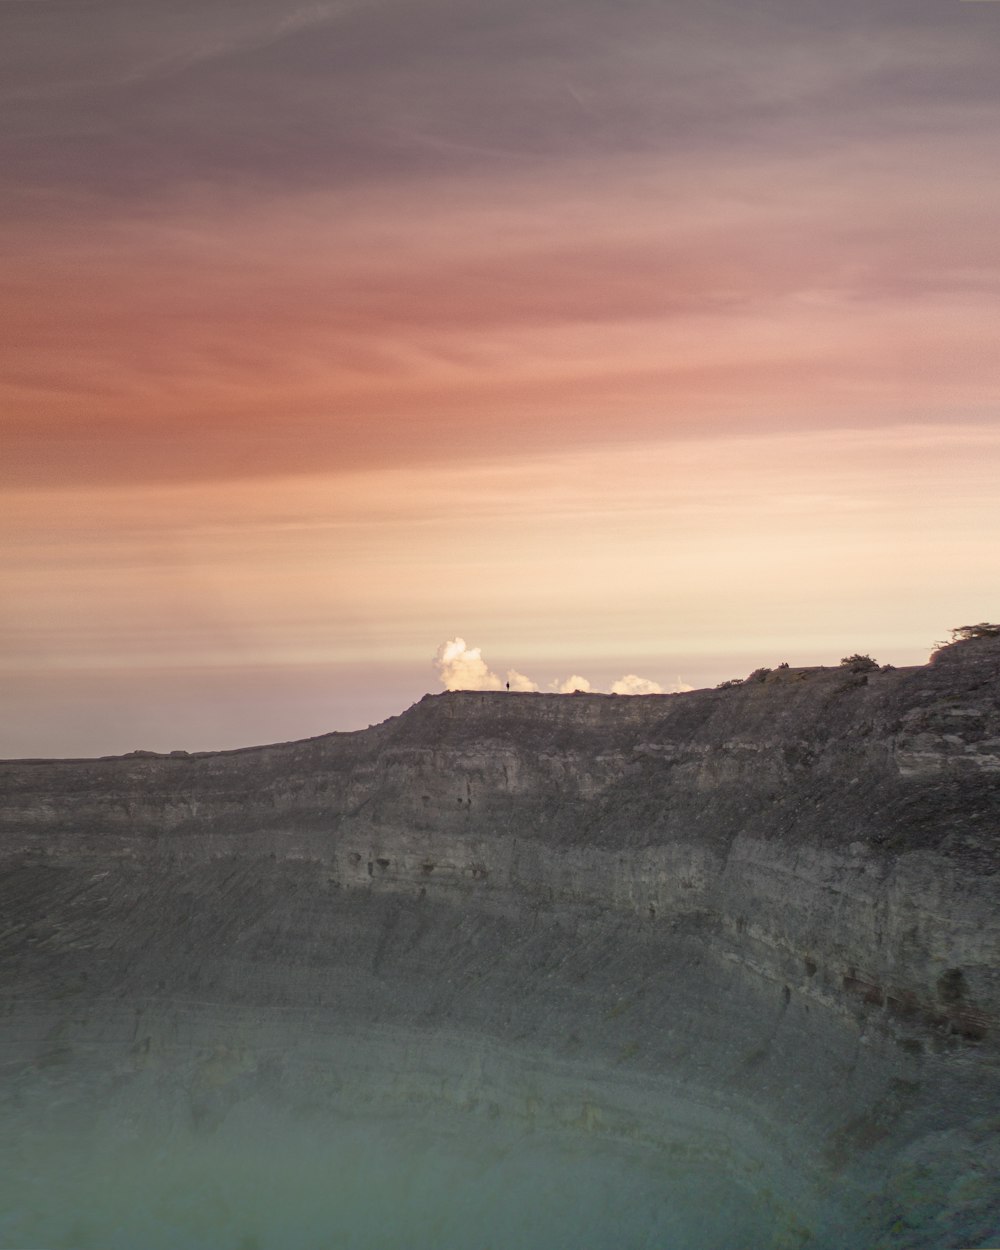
x,y
421,327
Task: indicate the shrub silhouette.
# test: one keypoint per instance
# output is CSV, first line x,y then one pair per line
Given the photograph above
x,y
859,663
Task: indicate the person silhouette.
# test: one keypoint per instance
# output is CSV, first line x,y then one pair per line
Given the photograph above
x,y
508,685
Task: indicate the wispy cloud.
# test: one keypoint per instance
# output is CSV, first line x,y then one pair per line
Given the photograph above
x,y
339,323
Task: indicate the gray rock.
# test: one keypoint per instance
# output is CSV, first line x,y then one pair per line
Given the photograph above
x,y
758,923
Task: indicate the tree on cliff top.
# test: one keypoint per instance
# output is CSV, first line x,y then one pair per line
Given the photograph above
x,y
964,633
967,633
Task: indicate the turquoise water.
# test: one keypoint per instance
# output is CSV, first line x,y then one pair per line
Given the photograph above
x,y
274,1182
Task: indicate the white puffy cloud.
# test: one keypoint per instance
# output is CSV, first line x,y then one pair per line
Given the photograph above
x,y
518,681
571,684
463,668
631,684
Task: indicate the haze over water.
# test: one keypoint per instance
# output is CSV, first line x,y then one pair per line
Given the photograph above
x,y
361,1184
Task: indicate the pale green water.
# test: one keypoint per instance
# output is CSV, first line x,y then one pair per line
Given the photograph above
x,y
429,1183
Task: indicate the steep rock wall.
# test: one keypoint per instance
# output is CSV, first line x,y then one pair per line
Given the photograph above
x,y
779,898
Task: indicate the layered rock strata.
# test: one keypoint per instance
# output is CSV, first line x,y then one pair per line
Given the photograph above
x,y
759,923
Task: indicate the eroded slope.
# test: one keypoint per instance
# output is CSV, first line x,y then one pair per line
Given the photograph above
x,y
776,901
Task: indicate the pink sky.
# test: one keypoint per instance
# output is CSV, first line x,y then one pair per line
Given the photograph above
x,y
613,338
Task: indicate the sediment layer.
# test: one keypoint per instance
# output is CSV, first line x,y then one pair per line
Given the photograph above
x,y
760,921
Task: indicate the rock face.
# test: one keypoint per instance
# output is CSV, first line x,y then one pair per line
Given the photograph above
x,y
759,922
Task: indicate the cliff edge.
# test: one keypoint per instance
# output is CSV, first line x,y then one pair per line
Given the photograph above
x,y
778,900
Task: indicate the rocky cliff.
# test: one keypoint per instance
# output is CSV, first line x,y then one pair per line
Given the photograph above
x,y
758,923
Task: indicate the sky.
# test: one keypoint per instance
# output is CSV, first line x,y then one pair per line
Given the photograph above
x,y
641,341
